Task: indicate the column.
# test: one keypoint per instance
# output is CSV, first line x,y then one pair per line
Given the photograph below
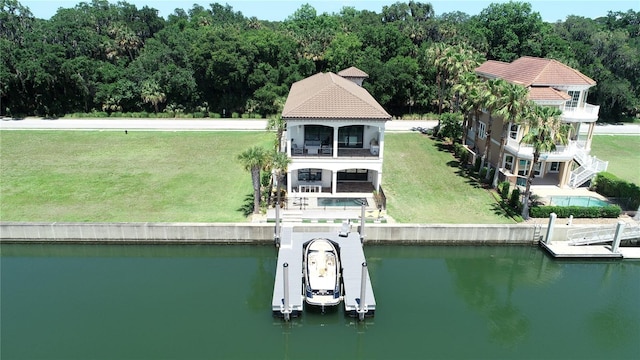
x,y
335,143
334,182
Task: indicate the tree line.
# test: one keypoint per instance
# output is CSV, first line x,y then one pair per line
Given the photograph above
x,y
106,58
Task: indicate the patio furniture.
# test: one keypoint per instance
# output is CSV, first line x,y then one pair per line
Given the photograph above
x,y
326,150
312,146
296,150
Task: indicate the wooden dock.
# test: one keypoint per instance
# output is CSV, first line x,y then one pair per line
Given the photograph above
x,y
351,257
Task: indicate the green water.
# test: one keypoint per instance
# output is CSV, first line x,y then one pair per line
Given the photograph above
x,y
214,302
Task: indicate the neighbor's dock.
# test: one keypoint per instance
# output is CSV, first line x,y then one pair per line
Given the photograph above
x,y
352,259
593,243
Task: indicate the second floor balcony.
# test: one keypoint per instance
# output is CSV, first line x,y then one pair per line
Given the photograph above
x,y
583,113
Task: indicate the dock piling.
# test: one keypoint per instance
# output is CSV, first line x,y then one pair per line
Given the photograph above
x,y
286,311
552,222
362,308
617,237
362,216
276,233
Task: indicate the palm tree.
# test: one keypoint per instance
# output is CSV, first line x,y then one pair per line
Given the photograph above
x,y
278,125
279,162
254,160
468,89
545,131
515,103
436,56
492,100
151,93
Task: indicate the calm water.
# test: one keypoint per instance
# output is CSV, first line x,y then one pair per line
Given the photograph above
x,y
213,302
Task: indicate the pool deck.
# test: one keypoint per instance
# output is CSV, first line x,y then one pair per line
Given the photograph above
x,y
548,191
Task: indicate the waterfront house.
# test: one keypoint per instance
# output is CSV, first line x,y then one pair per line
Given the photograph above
x,y
550,83
334,136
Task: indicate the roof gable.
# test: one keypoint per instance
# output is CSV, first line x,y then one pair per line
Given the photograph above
x,y
329,96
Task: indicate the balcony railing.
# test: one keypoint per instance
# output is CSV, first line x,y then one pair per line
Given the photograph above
x,y
585,112
342,153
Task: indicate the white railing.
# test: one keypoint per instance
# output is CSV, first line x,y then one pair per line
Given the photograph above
x,y
585,111
600,235
579,176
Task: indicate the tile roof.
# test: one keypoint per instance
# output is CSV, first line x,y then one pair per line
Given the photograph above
x,y
329,96
547,93
532,71
353,72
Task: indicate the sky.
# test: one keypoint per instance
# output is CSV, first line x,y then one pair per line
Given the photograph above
x,y
278,10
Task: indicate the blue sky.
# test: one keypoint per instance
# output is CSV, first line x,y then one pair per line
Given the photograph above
x,y
277,10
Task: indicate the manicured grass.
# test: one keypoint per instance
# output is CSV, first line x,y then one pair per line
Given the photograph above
x,y
108,176
622,152
423,184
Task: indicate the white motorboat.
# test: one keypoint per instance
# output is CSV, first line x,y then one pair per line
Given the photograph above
x,y
322,273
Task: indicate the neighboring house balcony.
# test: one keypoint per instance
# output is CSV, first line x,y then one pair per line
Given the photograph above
x,y
525,151
583,113
588,166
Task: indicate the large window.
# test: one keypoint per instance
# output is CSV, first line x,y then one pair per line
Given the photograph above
x,y
508,162
575,98
513,131
310,175
482,130
351,136
318,133
554,167
353,175
523,168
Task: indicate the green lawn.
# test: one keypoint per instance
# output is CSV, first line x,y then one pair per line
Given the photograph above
x,y
622,152
423,184
108,176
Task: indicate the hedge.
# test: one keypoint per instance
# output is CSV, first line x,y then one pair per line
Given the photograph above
x,y
610,211
626,193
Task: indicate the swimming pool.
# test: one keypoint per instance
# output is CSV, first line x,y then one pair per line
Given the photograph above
x,y
341,201
577,201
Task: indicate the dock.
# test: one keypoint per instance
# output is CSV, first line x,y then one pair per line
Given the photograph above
x,y
352,259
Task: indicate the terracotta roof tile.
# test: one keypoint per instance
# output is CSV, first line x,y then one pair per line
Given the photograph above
x,y
547,93
532,71
329,96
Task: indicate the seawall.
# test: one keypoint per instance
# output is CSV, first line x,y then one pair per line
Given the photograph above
x,y
262,233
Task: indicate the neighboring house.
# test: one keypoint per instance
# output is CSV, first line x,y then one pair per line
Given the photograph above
x,y
554,84
334,135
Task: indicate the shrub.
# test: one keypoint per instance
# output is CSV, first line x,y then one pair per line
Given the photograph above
x,y
464,157
514,199
483,173
492,172
451,126
611,211
476,166
458,149
503,189
627,193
